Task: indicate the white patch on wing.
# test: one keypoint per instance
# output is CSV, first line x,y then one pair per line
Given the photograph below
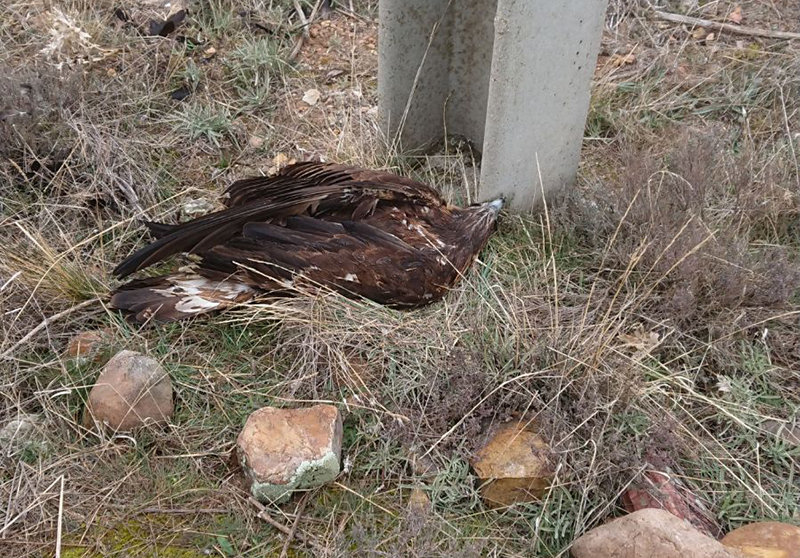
x,y
198,294
192,304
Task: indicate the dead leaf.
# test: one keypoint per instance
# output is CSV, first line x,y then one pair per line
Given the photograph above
x,y
710,37
699,34
419,503
724,384
209,52
736,15
255,142
619,60
642,341
279,161
311,97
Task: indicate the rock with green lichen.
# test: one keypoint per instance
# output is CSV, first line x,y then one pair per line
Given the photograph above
x,y
283,450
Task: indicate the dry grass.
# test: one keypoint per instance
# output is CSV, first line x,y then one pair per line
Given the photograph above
x,y
652,317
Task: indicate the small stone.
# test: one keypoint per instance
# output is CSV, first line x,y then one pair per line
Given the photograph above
x,y
283,450
21,433
514,466
311,97
256,142
132,390
648,533
87,344
768,539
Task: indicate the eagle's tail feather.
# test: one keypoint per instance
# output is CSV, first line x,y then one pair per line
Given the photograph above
x,y
175,297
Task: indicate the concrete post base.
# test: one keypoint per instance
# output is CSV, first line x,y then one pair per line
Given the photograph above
x,y
513,76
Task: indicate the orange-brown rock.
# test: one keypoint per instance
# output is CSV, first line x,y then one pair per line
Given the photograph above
x,y
768,539
86,345
514,465
131,391
648,533
282,450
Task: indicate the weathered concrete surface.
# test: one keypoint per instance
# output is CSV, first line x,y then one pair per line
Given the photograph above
x,y
283,450
513,76
544,57
413,74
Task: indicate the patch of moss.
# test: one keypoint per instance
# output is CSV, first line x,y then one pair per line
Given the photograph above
x,y
136,538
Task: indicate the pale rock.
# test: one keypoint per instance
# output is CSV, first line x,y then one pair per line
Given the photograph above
x,y
283,450
514,465
648,533
132,390
256,142
21,433
768,539
311,97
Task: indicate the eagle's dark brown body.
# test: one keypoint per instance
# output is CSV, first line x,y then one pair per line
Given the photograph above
x,y
363,233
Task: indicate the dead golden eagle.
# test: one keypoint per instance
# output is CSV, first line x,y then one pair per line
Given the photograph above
x,y
360,232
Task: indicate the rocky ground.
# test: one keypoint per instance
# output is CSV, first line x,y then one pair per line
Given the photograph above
x,y
638,347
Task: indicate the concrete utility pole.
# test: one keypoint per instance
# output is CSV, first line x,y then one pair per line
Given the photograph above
x,y
513,76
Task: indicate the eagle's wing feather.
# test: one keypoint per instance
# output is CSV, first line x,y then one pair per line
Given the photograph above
x,y
303,188
309,174
341,255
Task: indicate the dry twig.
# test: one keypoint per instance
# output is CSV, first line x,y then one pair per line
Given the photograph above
x,y
263,514
730,28
45,323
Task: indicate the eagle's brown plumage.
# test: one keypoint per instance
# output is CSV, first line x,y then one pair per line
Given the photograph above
x,y
361,232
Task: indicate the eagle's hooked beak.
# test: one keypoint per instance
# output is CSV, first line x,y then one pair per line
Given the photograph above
x,y
496,205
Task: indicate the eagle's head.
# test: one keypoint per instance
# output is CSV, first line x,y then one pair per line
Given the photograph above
x,y
479,221
486,213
